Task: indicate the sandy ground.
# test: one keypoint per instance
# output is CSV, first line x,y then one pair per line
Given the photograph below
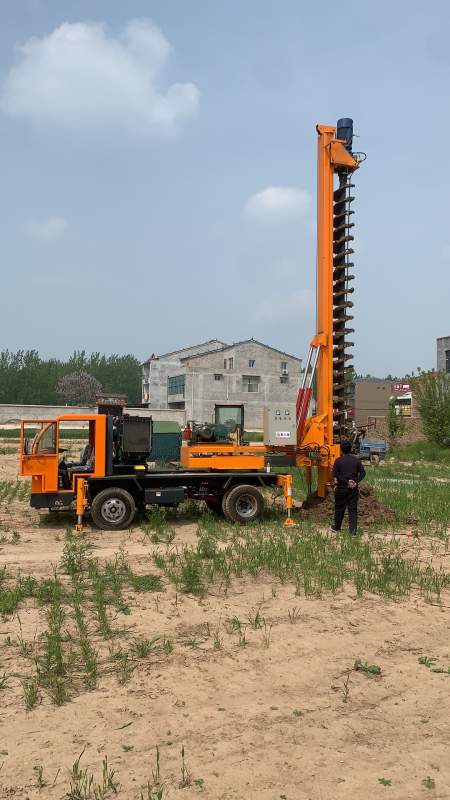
x,y
262,722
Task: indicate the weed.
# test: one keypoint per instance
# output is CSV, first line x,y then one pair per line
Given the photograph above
x,y
427,661
89,656
73,559
167,646
25,647
346,688
163,537
266,634
217,641
99,587
297,713
255,619
125,668
50,590
142,648
4,681
157,519
242,641
146,583
364,666
83,785
233,625
153,794
191,578
293,614
109,783
156,773
186,778
40,780
385,781
30,693
429,783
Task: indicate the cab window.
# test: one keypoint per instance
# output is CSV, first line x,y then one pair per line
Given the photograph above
x,y
45,440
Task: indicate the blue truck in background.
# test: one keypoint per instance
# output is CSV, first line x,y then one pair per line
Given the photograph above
x,y
371,450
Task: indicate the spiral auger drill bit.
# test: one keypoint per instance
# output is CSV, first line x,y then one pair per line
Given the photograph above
x,y
343,386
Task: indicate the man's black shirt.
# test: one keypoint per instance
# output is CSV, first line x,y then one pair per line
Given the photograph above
x,y
348,468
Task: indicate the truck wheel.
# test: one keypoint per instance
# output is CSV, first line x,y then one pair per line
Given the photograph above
x,y
113,509
243,504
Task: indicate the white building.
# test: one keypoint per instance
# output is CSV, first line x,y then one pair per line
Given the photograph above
x,y
197,378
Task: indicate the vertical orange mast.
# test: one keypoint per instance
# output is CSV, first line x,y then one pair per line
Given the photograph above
x,y
324,289
319,436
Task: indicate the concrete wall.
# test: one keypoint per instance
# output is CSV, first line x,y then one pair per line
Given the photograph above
x,y
443,345
12,414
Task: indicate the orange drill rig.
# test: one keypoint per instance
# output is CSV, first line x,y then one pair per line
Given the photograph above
x,y
113,477
318,437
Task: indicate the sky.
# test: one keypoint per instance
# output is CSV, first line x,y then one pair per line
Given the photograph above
x,y
158,168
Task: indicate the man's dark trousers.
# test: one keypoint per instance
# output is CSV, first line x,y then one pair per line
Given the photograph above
x,y
345,498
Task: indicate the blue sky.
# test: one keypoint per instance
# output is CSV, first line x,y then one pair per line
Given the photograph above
x,y
158,173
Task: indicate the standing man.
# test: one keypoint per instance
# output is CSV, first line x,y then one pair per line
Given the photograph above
x,y
348,472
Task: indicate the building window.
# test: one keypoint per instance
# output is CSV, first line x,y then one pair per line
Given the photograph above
x,y
250,383
251,363
176,385
218,376
284,368
447,360
224,363
231,363
284,379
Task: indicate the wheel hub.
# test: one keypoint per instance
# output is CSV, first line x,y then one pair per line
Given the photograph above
x,y
246,506
114,510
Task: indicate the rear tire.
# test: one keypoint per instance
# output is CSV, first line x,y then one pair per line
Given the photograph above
x,y
243,504
113,509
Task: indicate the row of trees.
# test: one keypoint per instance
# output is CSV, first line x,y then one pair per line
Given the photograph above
x,y
25,377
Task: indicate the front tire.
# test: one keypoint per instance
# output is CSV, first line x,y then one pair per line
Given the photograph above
x,y
113,509
243,504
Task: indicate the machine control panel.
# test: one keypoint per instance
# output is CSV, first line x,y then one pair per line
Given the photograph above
x,y
280,424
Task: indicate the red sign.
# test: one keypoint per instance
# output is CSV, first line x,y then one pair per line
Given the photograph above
x,y
399,388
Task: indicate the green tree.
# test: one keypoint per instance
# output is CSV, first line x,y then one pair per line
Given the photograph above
x,y
431,392
396,424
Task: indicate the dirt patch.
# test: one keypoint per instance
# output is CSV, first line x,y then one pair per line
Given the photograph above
x,y
370,509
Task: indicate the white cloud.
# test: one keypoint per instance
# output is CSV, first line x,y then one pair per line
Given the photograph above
x,y
278,201
79,78
51,229
282,305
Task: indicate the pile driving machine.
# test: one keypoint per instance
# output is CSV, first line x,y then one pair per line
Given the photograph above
x,y
318,437
112,477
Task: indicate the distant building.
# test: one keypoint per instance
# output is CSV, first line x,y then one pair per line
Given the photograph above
x,y
443,353
371,400
197,378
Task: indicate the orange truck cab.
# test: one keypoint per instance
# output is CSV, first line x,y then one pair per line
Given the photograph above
x,y
53,479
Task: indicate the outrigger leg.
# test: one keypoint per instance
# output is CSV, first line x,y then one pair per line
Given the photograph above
x,y
286,482
81,503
